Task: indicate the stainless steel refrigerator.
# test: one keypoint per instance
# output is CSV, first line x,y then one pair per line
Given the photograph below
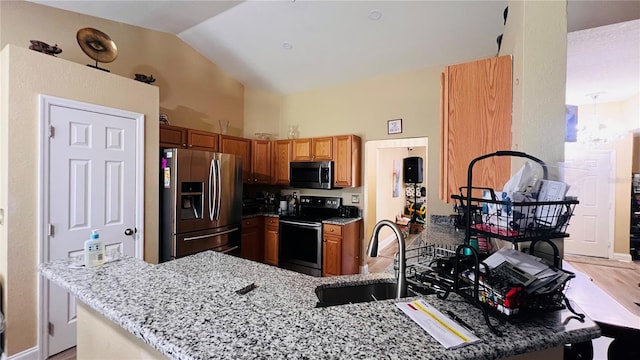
x,y
200,202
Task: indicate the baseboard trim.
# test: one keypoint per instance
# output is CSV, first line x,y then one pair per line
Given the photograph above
x,y
622,257
29,354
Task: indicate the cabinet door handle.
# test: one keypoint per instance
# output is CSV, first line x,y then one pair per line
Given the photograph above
x,y
184,145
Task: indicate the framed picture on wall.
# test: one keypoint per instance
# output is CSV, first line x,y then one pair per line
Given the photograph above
x,y
394,126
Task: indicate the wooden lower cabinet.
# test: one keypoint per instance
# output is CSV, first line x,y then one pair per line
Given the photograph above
x,y
331,251
341,249
251,243
271,231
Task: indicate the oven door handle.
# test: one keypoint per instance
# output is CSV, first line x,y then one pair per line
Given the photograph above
x,y
289,222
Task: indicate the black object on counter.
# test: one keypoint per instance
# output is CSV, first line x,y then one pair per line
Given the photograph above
x,y
349,211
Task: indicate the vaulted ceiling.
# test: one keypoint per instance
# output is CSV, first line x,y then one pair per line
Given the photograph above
x,y
299,45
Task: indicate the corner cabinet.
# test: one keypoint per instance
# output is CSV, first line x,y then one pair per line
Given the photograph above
x,y
341,249
271,230
475,106
240,147
281,156
261,161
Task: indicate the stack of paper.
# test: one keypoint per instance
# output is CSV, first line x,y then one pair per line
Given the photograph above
x,y
547,279
547,215
448,332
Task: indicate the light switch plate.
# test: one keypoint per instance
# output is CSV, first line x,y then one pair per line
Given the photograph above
x,y
355,199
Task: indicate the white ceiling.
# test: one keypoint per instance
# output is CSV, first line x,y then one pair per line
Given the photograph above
x,y
335,41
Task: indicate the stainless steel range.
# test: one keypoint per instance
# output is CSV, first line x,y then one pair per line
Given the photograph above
x,y
301,234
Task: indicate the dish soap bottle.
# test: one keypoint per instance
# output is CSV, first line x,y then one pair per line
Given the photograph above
x,y
93,250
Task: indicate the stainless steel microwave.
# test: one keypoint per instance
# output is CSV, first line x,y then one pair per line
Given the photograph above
x,y
311,174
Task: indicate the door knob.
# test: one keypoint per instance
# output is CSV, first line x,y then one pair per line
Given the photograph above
x,y
129,232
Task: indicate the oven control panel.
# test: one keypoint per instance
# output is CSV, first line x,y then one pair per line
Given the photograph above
x,y
320,202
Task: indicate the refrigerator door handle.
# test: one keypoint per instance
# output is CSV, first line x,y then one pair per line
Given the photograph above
x,y
212,188
218,191
210,235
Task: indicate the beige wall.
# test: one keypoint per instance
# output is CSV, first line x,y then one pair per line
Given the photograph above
x,y
363,108
536,36
194,92
262,113
26,74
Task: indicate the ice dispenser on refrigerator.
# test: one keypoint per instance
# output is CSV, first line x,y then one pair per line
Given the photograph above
x,y
200,203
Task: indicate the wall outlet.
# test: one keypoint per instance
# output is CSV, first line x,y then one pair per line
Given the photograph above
x,y
355,199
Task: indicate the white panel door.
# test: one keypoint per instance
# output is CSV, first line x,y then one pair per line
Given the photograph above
x,y
92,185
591,177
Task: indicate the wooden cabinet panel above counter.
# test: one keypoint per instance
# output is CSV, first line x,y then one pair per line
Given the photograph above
x,y
476,102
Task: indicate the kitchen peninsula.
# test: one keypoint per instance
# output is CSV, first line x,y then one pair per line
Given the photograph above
x,y
189,309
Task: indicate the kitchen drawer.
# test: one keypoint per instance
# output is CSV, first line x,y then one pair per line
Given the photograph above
x,y
330,229
271,221
251,222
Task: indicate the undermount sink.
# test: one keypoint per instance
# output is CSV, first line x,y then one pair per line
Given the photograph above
x,y
356,293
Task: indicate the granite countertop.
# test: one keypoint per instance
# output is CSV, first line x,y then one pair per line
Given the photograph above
x,y
188,309
341,220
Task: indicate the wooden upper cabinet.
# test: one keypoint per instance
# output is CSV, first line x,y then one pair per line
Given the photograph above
x,y
476,103
313,149
241,147
261,161
179,137
281,157
347,155
173,136
202,140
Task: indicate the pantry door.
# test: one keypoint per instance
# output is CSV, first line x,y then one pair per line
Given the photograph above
x,y
591,177
91,181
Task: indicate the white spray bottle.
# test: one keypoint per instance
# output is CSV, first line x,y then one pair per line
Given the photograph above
x,y
93,250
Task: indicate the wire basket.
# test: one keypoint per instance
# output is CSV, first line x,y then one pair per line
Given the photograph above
x,y
423,273
513,221
512,299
